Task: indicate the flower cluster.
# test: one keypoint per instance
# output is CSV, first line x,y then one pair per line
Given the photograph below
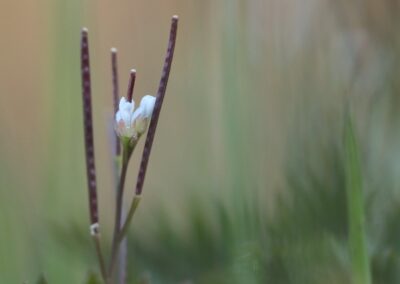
x,y
131,123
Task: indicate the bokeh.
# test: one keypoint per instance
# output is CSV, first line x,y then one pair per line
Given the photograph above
x,y
246,179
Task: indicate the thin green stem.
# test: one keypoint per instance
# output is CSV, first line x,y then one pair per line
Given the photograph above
x,y
132,210
100,257
122,233
127,150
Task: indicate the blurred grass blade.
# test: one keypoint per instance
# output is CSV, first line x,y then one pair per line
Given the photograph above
x,y
355,202
42,280
93,278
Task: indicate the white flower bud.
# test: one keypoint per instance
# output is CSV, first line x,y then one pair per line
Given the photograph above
x,y
123,118
131,123
143,113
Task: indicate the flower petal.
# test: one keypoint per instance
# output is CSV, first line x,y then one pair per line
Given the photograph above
x,y
122,102
147,104
137,114
118,116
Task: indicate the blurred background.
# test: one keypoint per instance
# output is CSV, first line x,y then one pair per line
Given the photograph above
x,y
246,178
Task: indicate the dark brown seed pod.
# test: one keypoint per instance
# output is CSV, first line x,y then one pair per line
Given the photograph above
x,y
88,127
131,86
157,107
115,92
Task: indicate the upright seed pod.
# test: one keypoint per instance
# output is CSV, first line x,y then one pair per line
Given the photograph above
x,y
88,131
157,107
115,92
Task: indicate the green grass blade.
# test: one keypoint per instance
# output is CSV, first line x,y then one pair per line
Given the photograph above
x,y
361,273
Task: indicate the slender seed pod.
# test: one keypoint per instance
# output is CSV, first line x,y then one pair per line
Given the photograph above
x,y
157,107
88,130
115,92
131,85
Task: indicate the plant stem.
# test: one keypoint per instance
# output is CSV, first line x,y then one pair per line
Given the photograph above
x,y
118,234
100,257
123,250
361,273
126,153
132,210
122,233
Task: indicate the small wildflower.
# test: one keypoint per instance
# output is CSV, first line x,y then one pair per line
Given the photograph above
x,y
130,123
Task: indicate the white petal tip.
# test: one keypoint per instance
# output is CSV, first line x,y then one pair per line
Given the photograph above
x,y
114,50
133,71
175,17
85,29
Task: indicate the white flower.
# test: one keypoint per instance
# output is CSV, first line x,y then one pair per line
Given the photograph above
x,y
130,123
143,113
